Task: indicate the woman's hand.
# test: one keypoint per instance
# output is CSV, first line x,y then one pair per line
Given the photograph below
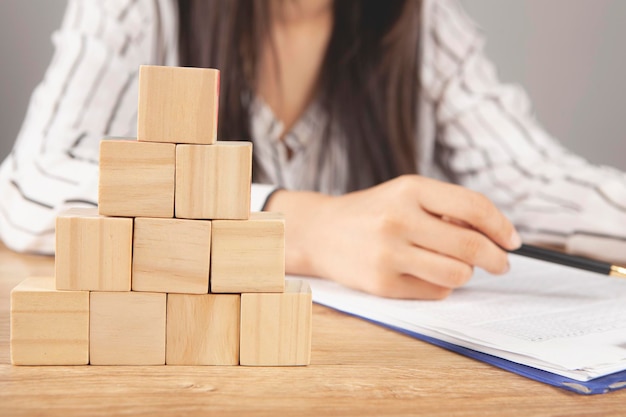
x,y
411,237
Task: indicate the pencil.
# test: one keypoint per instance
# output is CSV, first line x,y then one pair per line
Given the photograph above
x,y
571,260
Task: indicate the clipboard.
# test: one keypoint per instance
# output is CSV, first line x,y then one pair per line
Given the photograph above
x,y
601,385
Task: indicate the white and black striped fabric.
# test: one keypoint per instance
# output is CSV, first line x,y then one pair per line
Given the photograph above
x,y
472,130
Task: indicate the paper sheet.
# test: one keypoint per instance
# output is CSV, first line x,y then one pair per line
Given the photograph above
x,y
564,320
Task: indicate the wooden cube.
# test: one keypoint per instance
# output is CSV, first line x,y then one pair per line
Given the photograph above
x,y
171,255
203,329
127,328
276,328
178,105
248,255
136,178
93,252
213,182
49,327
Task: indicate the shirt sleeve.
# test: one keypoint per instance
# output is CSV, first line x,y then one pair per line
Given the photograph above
x,y
89,91
260,194
489,141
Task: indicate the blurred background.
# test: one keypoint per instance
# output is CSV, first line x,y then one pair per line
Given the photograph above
x,y
569,56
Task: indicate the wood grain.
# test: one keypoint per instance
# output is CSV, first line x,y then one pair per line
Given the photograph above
x,y
171,255
127,328
203,329
357,369
276,328
48,327
93,252
249,255
178,105
213,181
136,178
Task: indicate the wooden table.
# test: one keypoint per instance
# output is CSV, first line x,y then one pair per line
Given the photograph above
x,y
358,369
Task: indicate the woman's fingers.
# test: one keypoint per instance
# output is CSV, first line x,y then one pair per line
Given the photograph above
x,y
470,207
466,245
438,269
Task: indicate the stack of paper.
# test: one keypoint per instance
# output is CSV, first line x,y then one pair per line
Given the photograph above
x,y
550,317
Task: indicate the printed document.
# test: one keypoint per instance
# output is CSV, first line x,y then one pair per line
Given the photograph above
x,y
560,319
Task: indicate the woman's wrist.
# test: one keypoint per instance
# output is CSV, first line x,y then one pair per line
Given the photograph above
x,y
303,227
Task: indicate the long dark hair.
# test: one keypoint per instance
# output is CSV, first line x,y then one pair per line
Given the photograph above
x,y
368,82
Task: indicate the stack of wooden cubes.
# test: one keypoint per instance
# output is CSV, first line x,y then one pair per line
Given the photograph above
x,y
171,268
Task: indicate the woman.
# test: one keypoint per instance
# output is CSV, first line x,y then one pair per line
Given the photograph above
x,y
346,103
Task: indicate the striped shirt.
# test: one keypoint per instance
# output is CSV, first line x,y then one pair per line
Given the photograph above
x,y
472,130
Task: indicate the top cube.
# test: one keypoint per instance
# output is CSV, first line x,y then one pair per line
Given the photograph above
x,y
178,105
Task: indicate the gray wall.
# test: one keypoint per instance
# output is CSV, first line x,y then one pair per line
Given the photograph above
x,y
25,51
570,57
567,54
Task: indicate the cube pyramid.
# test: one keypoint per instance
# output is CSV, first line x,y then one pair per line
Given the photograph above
x,y
171,267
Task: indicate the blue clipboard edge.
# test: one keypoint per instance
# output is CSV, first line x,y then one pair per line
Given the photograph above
x,y
600,385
